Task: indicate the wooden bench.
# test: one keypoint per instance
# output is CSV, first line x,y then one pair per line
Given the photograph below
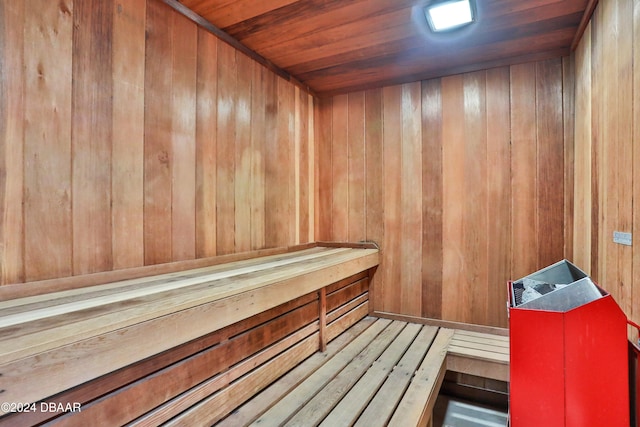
x,y
480,354
380,372
278,339
146,350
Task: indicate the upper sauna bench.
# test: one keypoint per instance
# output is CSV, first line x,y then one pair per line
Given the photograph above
x,y
81,334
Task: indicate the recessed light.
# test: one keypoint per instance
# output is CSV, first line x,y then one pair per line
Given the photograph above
x,y
450,14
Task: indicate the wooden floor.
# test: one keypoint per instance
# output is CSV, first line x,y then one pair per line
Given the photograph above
x,y
379,372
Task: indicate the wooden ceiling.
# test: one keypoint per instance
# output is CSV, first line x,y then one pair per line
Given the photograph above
x,y
337,46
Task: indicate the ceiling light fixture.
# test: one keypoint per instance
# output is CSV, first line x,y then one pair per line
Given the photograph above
x,y
450,14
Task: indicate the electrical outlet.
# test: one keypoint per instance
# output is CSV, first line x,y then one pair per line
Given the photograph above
x,y
622,238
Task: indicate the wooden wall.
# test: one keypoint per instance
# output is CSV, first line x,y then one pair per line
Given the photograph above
x,y
607,168
464,181
130,137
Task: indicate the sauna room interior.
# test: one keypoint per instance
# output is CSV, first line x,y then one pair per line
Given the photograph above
x,y
391,175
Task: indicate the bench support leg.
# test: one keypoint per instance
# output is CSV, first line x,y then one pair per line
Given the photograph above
x,y
322,294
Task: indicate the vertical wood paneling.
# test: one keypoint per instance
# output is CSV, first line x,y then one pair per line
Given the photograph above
x,y
635,291
624,153
158,128
613,152
606,155
432,199
48,35
568,112
225,145
455,301
183,138
340,168
524,167
273,187
323,125
132,137
411,189
374,206
244,155
286,217
583,149
597,107
127,157
390,265
356,167
288,157
475,201
206,145
498,244
258,127
303,164
550,168
459,179
12,126
91,136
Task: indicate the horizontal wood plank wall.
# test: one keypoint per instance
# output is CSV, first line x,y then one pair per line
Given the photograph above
x,y
464,185
130,137
607,180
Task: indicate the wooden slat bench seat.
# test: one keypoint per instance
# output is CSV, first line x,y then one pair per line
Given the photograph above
x,y
387,374
380,372
480,354
143,350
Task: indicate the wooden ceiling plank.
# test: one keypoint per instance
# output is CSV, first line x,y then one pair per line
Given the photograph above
x,y
368,75
288,23
242,10
306,49
337,45
395,45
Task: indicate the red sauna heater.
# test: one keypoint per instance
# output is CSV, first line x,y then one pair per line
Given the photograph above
x,y
568,352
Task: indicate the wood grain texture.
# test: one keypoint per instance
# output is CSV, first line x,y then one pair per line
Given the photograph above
x,y
226,138
455,301
635,293
258,128
158,129
342,47
139,139
464,194
127,156
340,168
303,165
356,222
391,172
583,154
411,205
92,136
499,193
48,31
432,199
107,342
206,148
550,166
12,126
606,155
374,195
323,128
183,138
569,116
243,155
523,165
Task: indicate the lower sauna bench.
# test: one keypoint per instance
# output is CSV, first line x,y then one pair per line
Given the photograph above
x,y
379,372
182,348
